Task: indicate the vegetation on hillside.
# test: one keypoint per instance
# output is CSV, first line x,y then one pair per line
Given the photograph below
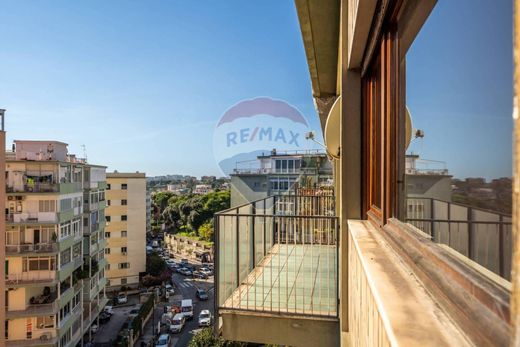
x,y
189,214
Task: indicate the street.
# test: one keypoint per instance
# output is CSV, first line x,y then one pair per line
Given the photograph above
x,y
185,288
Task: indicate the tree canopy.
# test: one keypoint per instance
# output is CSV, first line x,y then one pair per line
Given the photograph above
x,y
191,213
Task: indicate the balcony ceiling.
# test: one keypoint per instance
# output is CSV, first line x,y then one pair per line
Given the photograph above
x,y
319,24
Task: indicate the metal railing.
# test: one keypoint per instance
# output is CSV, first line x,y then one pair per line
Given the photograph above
x,y
32,217
30,277
481,235
278,255
32,248
34,310
36,187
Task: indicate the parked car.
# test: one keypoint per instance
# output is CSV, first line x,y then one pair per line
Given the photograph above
x,y
109,310
199,274
163,341
206,271
135,311
104,317
188,272
177,323
202,295
184,262
169,289
204,318
122,299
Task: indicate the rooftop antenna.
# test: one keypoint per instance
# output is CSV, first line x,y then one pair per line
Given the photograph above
x,y
84,152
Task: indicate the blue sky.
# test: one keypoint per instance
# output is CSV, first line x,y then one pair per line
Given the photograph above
x,y
142,84
459,87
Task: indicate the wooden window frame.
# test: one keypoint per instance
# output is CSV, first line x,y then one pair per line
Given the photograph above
x,y
383,108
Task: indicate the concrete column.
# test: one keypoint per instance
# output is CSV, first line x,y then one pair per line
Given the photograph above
x,y
350,184
2,228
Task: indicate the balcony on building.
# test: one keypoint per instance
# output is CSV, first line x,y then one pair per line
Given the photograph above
x,y
32,301
277,268
40,338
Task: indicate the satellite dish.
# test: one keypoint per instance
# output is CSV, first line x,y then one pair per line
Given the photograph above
x,y
411,133
408,127
332,130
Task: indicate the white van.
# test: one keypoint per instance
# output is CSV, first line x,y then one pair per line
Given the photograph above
x,y
177,323
187,308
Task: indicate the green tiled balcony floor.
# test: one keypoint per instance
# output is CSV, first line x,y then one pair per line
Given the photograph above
x,y
291,279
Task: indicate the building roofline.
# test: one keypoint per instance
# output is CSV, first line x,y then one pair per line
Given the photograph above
x,y
126,175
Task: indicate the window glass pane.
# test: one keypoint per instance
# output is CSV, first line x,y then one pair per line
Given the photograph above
x,y
458,162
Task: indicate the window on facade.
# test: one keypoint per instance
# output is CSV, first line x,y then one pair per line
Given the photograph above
x,y
123,202
38,263
123,281
123,250
108,202
65,204
45,322
124,217
107,218
47,205
65,257
124,186
107,234
65,230
123,233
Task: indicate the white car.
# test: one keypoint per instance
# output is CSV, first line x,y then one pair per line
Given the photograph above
x,y
177,323
122,299
109,310
169,289
204,318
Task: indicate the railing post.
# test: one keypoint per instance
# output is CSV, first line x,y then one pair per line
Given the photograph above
x,y
501,255
238,251
470,233
432,215
216,272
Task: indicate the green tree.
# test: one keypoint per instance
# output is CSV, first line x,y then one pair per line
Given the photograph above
x,y
206,231
155,265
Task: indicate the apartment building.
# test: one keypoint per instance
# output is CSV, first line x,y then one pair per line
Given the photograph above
x,y
126,218
279,172
148,211
356,271
47,255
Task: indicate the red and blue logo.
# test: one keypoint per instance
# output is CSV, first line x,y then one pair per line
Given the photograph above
x,y
254,127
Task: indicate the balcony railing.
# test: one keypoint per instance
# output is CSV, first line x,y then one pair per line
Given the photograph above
x,y
279,255
32,217
30,310
481,235
31,277
41,337
32,248
37,187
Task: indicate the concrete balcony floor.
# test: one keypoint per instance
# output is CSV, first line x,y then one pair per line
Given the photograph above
x,y
291,279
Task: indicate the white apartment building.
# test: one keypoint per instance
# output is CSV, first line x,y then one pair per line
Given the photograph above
x,y
47,274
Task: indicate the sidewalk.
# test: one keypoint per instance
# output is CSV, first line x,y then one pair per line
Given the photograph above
x,y
148,335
